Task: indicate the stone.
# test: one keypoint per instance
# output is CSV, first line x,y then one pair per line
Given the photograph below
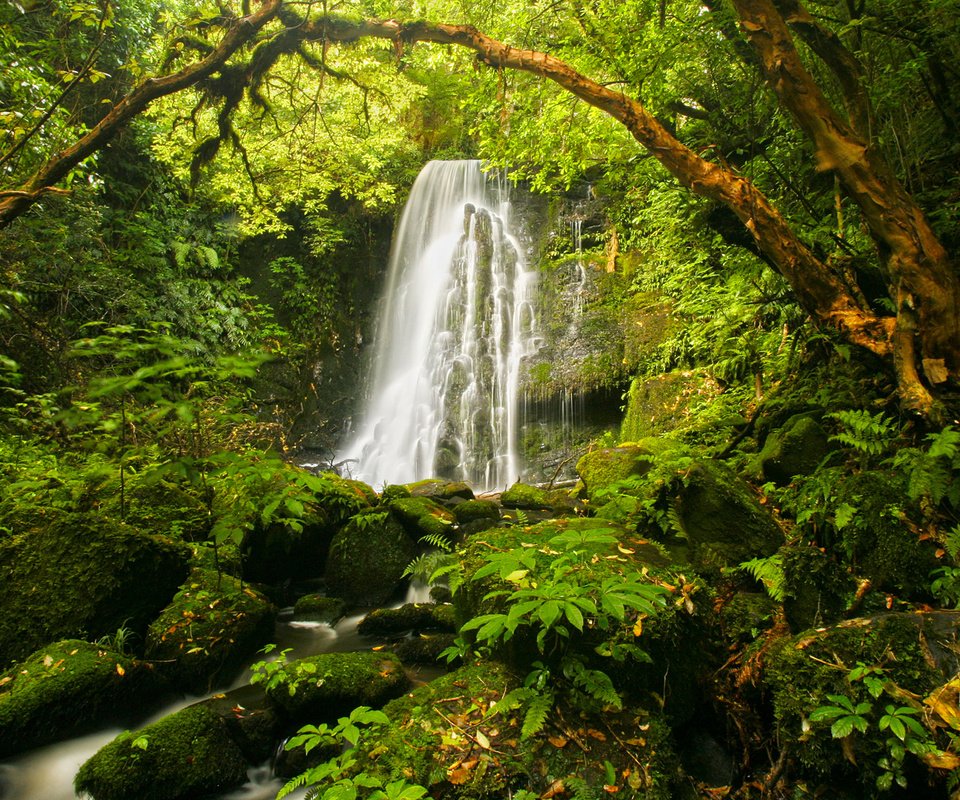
x,y
794,449
367,559
82,576
665,403
185,755
422,516
604,466
409,617
319,608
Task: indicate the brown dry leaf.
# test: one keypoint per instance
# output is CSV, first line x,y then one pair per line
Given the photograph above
x,y
5,680
458,775
638,627
598,735
557,741
625,550
610,789
378,647
944,702
482,740
554,789
942,760
638,742
121,671
846,745
48,661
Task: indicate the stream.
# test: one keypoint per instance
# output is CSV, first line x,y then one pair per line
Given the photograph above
x,y
46,773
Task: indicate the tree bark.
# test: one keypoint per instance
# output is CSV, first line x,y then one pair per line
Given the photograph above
x,y
922,279
15,202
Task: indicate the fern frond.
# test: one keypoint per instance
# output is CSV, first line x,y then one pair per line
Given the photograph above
x,y
438,540
537,713
769,572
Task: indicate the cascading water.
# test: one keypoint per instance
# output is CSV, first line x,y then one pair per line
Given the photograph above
x,y
456,323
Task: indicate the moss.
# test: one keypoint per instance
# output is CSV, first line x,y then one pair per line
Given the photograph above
x,y
394,492
801,671
442,737
323,687
409,617
367,559
422,516
475,510
167,508
602,467
186,755
209,630
745,615
722,519
320,608
818,589
440,489
82,575
665,403
795,449
66,688
522,495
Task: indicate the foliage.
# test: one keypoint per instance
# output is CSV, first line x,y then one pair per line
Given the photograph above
x,y
769,572
337,779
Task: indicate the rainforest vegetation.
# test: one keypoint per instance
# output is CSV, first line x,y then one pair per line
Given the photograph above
x,y
752,590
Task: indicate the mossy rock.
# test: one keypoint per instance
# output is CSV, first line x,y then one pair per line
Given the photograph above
x,y
424,650
794,449
186,755
604,466
723,521
917,653
665,403
409,617
818,589
394,491
167,508
319,608
65,689
522,495
745,615
470,511
421,516
885,548
440,489
323,687
82,575
251,721
367,559
492,761
209,630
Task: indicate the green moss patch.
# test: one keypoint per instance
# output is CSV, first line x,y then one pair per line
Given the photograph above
x,y
209,629
84,576
66,688
409,617
323,687
188,754
320,608
421,516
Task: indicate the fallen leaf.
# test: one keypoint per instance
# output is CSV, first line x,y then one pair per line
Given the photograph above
x,y
625,550
482,740
554,789
638,627
611,789
600,737
638,742
121,671
47,661
5,680
557,741
942,760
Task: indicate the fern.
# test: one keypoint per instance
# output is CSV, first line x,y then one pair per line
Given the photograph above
x,y
438,540
769,572
951,542
537,712
866,433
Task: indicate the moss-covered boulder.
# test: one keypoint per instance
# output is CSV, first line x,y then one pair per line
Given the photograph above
x,y
421,517
209,630
817,588
522,495
476,511
279,552
164,507
186,755
84,576
440,489
665,403
604,466
794,449
367,559
910,655
722,519
409,617
320,608
324,687
440,736
65,689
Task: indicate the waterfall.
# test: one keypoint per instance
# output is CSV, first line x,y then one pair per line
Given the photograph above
x,y
455,324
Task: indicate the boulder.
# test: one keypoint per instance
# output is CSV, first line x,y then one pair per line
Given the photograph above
x,y
209,630
665,403
722,519
186,755
319,608
409,617
794,449
65,689
324,687
423,517
82,575
605,466
367,559
475,511
440,489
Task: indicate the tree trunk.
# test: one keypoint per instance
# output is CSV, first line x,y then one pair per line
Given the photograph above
x,y
922,279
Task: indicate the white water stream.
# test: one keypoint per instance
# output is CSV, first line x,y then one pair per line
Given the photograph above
x,y
47,773
455,324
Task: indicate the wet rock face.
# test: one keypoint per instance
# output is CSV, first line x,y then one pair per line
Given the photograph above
x,y
82,575
794,449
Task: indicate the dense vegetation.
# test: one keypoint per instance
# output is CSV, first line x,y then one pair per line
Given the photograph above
x,y
196,203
